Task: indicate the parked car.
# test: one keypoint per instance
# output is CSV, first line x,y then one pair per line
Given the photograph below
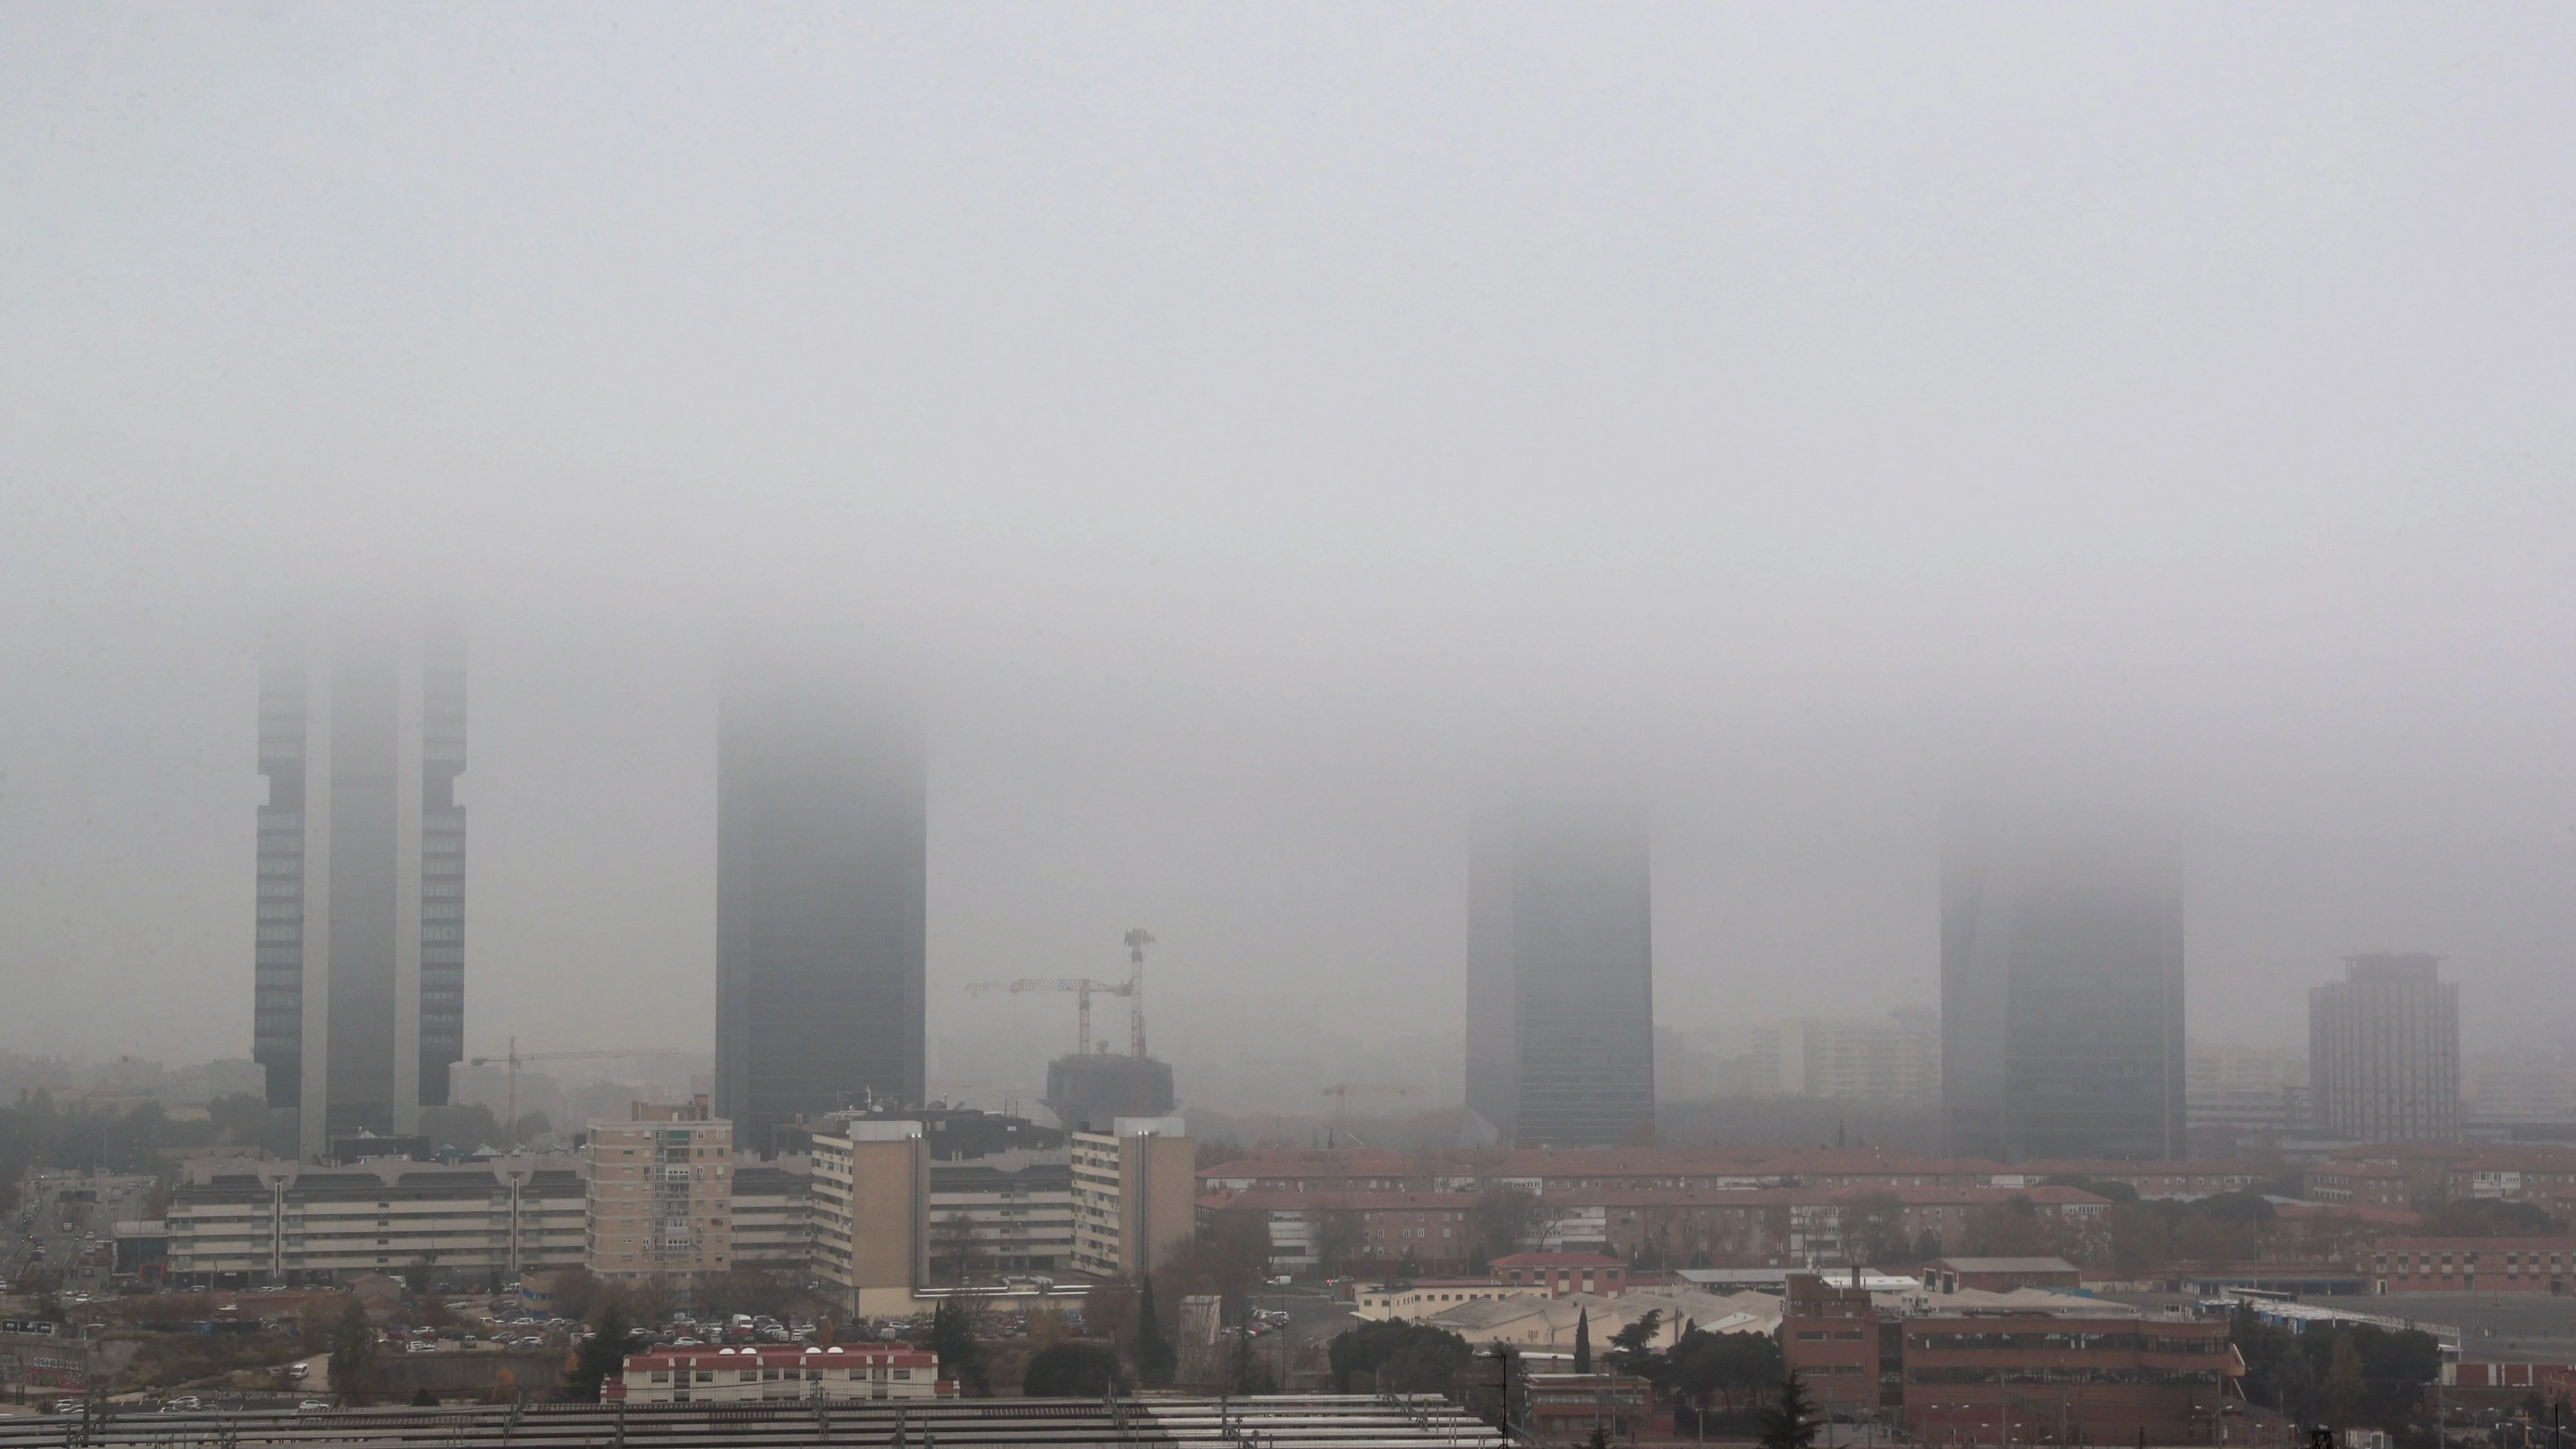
x,y
67,1406
298,1370
313,1404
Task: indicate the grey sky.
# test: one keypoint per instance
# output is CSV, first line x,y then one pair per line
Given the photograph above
x,y
1266,423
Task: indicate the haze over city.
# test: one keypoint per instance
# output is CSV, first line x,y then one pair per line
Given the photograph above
x,y
1260,431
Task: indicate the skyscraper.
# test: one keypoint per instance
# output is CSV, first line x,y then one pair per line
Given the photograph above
x,y
360,957
2384,1050
821,856
1560,972
2061,987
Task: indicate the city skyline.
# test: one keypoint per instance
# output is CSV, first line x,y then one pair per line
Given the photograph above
x,y
1263,447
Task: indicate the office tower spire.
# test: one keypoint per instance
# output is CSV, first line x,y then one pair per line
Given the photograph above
x,y
360,957
1560,972
2061,986
821,857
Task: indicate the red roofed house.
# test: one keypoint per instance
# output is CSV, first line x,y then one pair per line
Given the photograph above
x,y
777,1371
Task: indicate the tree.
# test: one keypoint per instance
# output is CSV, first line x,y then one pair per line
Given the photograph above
x,y
1073,1369
353,1350
1632,1349
1583,1340
1873,1228
1790,1421
1398,1357
2008,1229
600,1356
1733,1366
1340,1240
1154,1356
961,1353
2344,1386
1500,1219
957,1249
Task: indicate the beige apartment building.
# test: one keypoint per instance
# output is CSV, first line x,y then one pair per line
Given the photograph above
x,y
870,1215
1134,1195
660,1194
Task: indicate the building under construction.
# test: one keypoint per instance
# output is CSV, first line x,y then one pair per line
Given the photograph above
x,y
1091,1088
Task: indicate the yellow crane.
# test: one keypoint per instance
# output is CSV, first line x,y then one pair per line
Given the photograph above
x,y
514,1056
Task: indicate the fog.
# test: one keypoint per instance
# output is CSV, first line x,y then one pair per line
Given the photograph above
x,y
1264,428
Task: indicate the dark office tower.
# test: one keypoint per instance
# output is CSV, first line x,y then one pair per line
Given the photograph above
x,y
2384,1050
360,961
2061,987
1560,973
821,844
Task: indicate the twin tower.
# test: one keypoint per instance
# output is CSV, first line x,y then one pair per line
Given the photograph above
x,y
359,1004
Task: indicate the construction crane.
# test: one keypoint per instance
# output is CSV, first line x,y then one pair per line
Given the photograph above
x,y
1079,986
514,1056
1138,938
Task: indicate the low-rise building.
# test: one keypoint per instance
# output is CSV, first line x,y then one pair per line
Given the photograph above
x,y
1558,1274
661,1194
2470,1265
2358,1184
2000,1275
2070,1370
776,1371
235,1223
1360,1232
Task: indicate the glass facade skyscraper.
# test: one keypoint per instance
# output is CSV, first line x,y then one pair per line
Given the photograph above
x,y
1560,972
821,856
359,1005
2061,987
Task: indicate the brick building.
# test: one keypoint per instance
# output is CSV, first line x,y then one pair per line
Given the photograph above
x,y
2087,1372
1557,1274
2470,1265
1361,1232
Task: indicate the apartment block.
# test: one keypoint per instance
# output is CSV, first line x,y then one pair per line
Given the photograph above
x,y
1008,1213
234,1223
661,1194
1134,1195
871,1214
772,1225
